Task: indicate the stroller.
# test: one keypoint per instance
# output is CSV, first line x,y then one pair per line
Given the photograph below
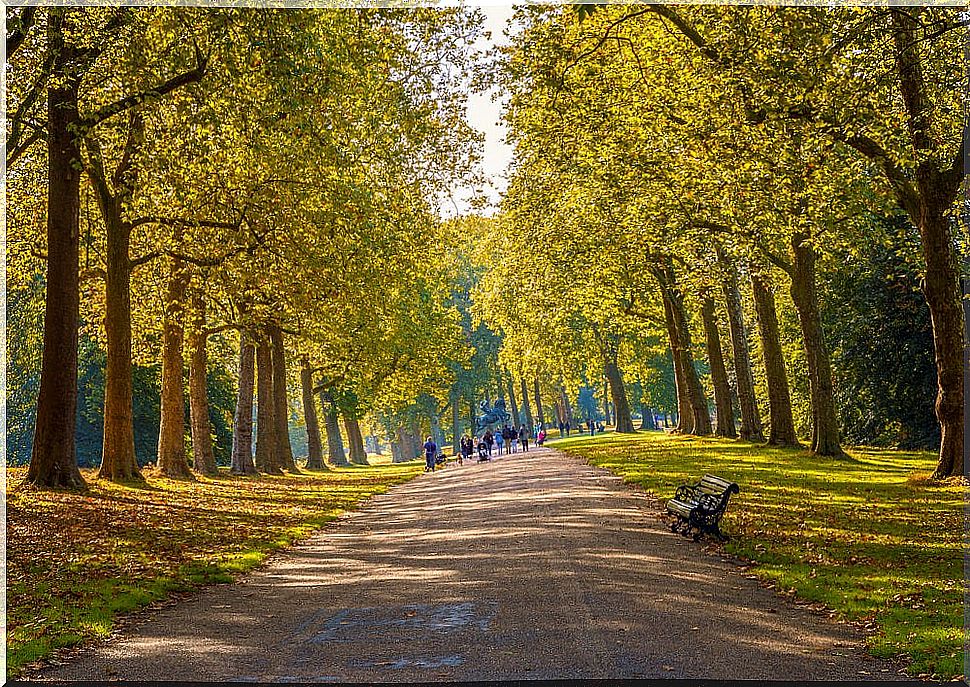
x,y
483,452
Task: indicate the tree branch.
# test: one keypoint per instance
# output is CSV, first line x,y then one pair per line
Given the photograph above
x,y
21,27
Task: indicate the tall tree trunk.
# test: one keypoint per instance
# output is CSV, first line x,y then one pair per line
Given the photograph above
x,y
928,203
455,423
53,458
722,390
203,457
825,424
695,392
621,406
172,459
118,462
314,459
567,408
471,419
242,428
685,419
358,454
335,445
538,397
751,429
527,408
281,411
606,402
515,407
781,425
266,451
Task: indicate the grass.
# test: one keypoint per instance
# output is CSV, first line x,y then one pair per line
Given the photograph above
x,y
77,563
869,538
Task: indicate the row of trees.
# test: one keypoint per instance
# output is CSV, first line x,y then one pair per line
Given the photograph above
x,y
255,184
683,169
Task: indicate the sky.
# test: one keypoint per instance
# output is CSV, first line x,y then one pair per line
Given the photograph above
x,y
484,115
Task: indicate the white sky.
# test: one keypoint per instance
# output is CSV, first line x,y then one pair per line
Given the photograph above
x,y
484,115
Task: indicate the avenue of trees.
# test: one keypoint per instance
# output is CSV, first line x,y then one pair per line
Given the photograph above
x,y
225,245
773,192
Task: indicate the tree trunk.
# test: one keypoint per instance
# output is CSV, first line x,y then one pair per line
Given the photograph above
x,y
314,459
781,425
242,429
695,392
335,445
266,446
825,425
567,408
647,420
685,418
515,407
538,397
397,455
722,390
281,411
53,459
203,458
358,455
621,407
172,459
471,420
455,424
527,408
118,461
750,416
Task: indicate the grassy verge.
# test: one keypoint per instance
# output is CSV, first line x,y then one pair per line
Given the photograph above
x,y
77,562
869,538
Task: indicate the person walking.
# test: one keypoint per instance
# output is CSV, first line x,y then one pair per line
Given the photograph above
x,y
430,453
499,440
561,428
540,437
466,446
524,438
567,428
489,441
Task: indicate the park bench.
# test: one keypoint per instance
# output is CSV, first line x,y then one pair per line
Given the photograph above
x,y
698,507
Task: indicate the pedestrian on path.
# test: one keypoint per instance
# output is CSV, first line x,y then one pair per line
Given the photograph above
x,y
499,441
430,453
489,440
524,438
541,437
567,428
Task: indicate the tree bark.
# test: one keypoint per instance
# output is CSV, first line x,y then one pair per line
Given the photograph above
x,y
781,425
695,392
53,459
242,429
358,454
314,459
527,407
538,397
471,419
567,408
118,461
266,445
515,408
722,390
172,458
281,412
621,406
335,445
203,458
825,425
928,205
685,418
647,420
455,423
751,428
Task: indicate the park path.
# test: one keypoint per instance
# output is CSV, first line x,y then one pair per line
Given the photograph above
x,y
534,566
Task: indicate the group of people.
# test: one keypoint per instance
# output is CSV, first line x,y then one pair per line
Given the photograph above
x,y
508,439
593,427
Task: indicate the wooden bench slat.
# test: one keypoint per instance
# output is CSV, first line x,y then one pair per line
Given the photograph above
x,y
701,506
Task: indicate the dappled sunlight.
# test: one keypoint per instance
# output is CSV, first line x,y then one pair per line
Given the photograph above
x,y
537,561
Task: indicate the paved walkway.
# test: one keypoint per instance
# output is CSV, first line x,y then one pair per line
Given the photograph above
x,y
533,566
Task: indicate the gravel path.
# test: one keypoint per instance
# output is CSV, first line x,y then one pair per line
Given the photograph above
x,y
534,566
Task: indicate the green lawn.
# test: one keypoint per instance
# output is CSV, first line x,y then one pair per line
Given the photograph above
x,y
870,537
76,562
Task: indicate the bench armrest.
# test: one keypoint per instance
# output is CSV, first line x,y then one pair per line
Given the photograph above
x,y
687,492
